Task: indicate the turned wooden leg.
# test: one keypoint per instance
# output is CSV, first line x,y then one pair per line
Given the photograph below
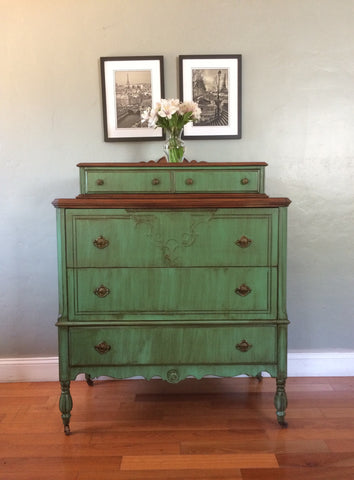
x,y
65,405
281,402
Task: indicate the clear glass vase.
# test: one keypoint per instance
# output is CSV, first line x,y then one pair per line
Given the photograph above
x,y
174,148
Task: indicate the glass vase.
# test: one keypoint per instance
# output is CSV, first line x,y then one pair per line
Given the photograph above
x,y
174,147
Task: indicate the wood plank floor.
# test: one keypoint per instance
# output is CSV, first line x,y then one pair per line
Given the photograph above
x,y
219,429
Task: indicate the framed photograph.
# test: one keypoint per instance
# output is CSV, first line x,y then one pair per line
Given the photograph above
x,y
129,86
214,82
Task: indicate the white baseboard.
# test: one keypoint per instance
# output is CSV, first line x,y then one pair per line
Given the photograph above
x,y
321,364
300,364
37,369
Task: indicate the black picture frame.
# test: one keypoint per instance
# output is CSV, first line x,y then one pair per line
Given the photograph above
x,y
215,83
129,86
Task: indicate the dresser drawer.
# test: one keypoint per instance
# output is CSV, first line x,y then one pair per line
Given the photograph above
x,y
217,181
127,181
182,293
211,178
223,237
172,345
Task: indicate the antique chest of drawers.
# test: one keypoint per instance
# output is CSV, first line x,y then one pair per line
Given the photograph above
x,y
172,270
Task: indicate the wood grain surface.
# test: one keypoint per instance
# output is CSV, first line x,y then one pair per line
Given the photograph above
x,y
198,429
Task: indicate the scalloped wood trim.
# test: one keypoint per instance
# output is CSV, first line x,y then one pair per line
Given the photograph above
x,y
163,161
300,364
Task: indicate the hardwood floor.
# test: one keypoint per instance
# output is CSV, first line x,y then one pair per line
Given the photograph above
x,y
219,429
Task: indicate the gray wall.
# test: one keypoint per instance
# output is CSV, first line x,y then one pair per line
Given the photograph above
x,y
298,115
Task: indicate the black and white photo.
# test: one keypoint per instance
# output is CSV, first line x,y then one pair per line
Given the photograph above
x,y
130,85
214,83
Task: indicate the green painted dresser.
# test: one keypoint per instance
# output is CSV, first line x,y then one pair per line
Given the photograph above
x,y
172,270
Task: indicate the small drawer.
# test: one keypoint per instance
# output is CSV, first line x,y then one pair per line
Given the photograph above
x,y
246,178
172,345
127,181
218,181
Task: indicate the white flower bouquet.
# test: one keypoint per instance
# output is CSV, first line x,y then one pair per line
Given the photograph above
x,y
172,115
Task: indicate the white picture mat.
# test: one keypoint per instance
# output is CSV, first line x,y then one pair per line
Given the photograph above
x,y
110,69
233,74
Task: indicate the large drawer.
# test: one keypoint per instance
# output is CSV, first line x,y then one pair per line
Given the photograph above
x,y
223,237
192,179
179,293
172,345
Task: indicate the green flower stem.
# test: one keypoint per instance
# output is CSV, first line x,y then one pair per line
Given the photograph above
x,y
176,150
176,154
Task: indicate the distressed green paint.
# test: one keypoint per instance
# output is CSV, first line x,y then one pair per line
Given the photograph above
x,y
143,180
282,347
65,404
172,239
282,313
128,180
64,361
61,254
158,291
172,307
198,371
173,345
217,181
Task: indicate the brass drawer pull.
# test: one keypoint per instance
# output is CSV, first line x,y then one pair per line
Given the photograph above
x,y
102,291
189,181
244,346
155,181
243,290
101,242
244,181
99,181
244,242
102,348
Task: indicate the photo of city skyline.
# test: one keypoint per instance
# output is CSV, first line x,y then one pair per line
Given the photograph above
x,y
211,92
133,93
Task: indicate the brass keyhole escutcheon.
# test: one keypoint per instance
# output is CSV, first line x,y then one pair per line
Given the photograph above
x,y
102,291
101,242
243,290
102,348
243,346
243,242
